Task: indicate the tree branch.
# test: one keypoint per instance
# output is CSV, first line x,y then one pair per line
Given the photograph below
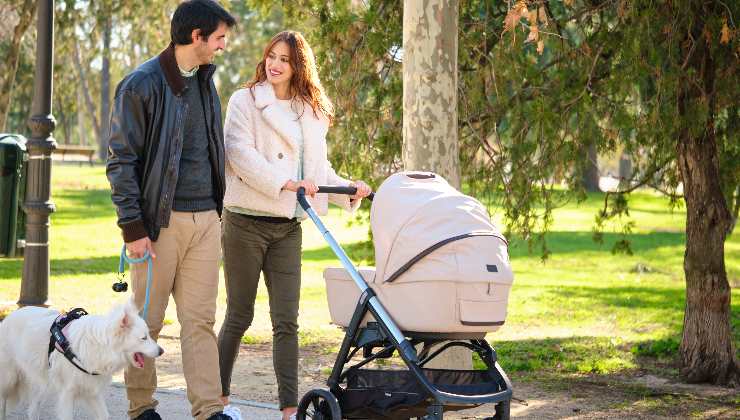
x,y
25,16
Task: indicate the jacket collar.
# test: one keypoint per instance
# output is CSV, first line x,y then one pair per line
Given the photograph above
x,y
313,127
172,73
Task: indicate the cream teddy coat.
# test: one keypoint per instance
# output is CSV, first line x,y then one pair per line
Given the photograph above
x,y
262,155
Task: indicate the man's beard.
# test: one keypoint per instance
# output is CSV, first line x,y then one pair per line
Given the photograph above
x,y
205,56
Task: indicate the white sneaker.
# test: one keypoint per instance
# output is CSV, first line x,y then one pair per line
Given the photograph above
x,y
233,412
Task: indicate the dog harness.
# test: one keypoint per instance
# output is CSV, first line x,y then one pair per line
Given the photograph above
x,y
59,341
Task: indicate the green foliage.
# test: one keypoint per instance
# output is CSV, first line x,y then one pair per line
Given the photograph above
x,y
21,93
139,31
666,347
248,339
354,47
601,73
245,45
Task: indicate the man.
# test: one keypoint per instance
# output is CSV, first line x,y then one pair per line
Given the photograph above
x,y
166,170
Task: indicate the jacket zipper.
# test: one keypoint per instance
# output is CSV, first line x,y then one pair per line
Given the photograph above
x,y
165,206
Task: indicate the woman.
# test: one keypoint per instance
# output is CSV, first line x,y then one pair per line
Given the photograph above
x,y
275,138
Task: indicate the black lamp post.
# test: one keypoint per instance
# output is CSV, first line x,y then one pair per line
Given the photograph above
x,y
38,205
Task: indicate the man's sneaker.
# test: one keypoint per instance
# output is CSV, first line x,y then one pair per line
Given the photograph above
x,y
233,412
149,414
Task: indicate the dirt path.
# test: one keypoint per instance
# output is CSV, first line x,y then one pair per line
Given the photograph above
x,y
580,397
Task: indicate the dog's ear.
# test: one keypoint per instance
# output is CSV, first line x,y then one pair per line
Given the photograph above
x,y
131,307
125,313
125,321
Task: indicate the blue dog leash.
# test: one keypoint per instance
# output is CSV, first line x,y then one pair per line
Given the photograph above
x,y
148,258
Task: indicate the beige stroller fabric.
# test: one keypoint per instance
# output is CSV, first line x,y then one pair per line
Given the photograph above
x,y
459,276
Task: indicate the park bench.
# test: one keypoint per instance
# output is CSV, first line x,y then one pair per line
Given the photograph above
x,y
77,150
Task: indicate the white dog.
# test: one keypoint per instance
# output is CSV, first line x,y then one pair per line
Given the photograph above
x,y
102,344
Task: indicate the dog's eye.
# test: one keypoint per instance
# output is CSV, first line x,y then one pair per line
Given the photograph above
x,y
143,338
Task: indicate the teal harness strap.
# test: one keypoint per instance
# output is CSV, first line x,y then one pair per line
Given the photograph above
x,y
148,258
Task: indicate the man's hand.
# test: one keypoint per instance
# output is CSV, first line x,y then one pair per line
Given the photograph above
x,y
138,248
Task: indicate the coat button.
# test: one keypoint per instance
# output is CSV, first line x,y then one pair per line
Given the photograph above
x,y
280,155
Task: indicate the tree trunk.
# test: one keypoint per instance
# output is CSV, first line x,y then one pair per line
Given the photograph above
x,y
591,169
10,67
430,87
706,351
430,107
81,129
105,93
85,91
625,170
62,121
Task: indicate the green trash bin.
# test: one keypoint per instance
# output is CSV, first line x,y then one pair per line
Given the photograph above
x,y
13,158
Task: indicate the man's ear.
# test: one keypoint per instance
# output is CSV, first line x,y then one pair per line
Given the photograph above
x,y
195,35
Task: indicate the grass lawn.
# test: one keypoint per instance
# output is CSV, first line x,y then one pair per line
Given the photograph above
x,y
583,311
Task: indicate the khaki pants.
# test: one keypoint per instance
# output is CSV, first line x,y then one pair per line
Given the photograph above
x,y
250,247
186,267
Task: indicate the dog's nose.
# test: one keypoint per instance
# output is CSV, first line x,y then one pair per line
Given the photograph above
x,y
161,351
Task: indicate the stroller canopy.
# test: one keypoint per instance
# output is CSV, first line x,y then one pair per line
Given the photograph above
x,y
414,213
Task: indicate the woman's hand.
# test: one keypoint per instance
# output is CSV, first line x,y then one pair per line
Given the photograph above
x,y
363,190
307,184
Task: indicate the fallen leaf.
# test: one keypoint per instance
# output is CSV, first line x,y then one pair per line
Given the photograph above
x,y
622,9
542,14
522,6
511,20
586,49
726,34
534,34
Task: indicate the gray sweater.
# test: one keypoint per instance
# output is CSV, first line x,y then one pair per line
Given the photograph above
x,y
194,191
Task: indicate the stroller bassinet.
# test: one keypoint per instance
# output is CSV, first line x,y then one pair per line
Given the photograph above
x,y
442,280
442,266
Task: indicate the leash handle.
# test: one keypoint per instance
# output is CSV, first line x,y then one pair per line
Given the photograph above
x,y
148,258
129,260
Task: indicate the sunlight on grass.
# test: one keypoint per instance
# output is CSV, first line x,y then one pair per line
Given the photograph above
x,y
582,311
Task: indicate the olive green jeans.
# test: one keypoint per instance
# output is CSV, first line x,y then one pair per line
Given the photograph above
x,y
251,246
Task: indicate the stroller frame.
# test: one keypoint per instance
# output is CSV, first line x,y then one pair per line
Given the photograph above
x,y
385,334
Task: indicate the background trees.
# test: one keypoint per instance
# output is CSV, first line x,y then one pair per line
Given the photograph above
x,y
544,89
545,86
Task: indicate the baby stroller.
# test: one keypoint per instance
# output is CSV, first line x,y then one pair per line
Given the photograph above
x,y
442,280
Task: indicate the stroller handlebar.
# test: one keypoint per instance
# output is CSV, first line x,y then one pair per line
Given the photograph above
x,y
328,189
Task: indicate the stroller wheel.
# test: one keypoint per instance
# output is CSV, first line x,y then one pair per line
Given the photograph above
x,y
503,410
319,404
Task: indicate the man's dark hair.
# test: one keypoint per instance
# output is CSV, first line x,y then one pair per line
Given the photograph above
x,y
205,15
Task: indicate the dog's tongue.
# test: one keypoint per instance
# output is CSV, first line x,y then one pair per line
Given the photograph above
x,y
139,360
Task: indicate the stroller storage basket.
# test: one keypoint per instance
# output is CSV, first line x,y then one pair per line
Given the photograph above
x,y
394,394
